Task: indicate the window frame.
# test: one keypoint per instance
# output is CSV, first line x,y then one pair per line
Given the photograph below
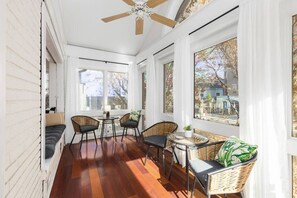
x,y
105,68
219,31
142,68
164,88
216,93
288,10
162,58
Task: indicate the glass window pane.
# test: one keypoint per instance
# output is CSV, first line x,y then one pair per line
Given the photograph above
x,y
143,85
117,91
90,89
294,73
168,88
216,83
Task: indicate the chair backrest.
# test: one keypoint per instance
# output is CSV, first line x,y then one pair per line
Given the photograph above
x,y
231,179
126,117
160,128
81,120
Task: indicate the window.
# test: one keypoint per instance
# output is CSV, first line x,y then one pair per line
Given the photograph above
x,y
117,90
216,83
188,7
143,85
96,87
91,90
294,72
168,88
143,97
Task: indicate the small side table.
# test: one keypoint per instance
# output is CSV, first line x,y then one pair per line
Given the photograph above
x,y
108,120
179,139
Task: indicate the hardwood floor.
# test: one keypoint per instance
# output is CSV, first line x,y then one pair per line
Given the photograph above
x,y
115,169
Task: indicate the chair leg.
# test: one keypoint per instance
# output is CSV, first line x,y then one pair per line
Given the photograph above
x,y
171,164
139,134
146,155
193,189
175,155
123,134
95,137
126,131
135,135
82,135
72,140
164,162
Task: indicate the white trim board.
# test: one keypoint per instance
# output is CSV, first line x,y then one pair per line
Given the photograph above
x,y
2,92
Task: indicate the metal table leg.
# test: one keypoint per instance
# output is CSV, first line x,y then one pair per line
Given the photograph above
x,y
102,130
187,168
113,129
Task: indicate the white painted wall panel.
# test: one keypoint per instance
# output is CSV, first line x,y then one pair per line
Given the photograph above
x,y
22,141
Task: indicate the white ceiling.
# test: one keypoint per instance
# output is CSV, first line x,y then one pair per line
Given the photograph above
x,y
83,25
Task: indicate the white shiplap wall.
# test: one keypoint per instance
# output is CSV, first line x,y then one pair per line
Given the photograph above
x,y
22,159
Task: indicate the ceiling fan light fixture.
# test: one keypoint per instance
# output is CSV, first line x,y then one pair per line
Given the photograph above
x,y
141,10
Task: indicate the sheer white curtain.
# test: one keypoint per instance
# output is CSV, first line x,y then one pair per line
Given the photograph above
x,y
133,87
151,111
70,98
262,105
182,89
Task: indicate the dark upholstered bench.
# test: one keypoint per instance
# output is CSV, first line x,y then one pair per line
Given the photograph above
x,y
52,136
53,132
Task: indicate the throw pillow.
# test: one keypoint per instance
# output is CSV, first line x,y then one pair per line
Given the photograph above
x,y
235,151
134,115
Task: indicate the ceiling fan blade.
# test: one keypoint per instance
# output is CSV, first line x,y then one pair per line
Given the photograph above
x,y
139,26
163,20
129,2
154,3
114,17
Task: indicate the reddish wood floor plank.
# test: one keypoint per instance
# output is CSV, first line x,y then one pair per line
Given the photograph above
x,y
114,169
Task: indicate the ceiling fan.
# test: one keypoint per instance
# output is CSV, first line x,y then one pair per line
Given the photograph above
x,y
141,9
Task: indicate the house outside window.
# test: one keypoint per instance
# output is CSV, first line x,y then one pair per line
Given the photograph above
x,y
216,83
168,88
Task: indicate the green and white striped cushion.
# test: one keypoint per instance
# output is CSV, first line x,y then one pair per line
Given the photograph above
x,y
235,151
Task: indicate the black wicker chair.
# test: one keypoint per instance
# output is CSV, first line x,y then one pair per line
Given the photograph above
x,y
84,125
128,123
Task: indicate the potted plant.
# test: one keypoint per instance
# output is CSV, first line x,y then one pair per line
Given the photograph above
x,y
188,130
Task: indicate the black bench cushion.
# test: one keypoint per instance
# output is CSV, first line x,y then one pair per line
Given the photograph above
x,y
202,167
52,136
87,128
156,140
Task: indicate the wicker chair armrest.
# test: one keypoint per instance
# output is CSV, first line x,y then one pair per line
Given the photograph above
x,y
76,126
125,118
252,160
230,179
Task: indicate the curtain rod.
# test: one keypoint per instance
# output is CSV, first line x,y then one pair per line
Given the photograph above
x,y
214,20
163,49
141,61
103,61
